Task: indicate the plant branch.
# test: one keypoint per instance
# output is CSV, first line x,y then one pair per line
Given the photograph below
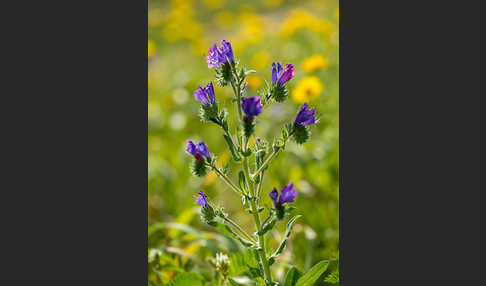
x,y
235,225
225,179
269,159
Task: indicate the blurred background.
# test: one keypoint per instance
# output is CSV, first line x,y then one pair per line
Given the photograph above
x,y
304,33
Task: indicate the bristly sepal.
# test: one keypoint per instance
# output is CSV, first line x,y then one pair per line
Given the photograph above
x,y
198,168
301,134
209,112
248,125
279,92
224,75
207,214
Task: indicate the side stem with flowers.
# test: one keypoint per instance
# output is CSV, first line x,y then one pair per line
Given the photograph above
x,y
250,184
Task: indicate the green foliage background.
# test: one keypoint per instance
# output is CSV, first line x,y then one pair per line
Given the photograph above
x,y
180,33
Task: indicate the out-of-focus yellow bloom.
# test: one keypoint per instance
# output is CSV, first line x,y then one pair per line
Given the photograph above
x,y
223,159
155,18
272,3
254,81
314,63
250,30
151,48
180,23
336,14
260,60
214,4
224,20
301,19
307,89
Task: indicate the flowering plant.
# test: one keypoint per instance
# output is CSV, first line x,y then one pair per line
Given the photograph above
x,y
249,186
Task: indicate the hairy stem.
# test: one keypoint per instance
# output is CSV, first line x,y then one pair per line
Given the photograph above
x,y
267,161
269,158
226,179
235,225
256,217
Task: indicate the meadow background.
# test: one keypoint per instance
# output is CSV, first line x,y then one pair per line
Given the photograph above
x,y
304,33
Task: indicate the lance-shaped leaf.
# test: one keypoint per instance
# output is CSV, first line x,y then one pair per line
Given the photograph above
x,y
232,148
267,226
226,229
313,274
255,212
282,244
292,276
242,182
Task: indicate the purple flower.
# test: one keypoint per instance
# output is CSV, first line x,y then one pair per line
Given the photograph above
x,y
274,195
215,57
251,106
276,72
227,50
201,199
287,74
221,55
281,76
198,150
287,195
305,116
205,94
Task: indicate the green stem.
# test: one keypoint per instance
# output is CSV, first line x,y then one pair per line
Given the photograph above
x,y
269,158
226,180
235,225
267,161
256,217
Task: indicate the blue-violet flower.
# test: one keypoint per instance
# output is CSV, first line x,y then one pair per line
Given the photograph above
x,y
218,56
305,116
198,150
201,199
281,76
205,94
251,106
287,195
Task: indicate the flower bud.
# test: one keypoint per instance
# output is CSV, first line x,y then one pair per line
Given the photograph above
x,y
222,264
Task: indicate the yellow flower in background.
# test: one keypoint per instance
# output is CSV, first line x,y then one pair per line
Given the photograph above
x,y
250,30
314,63
151,48
260,60
254,81
180,22
299,19
155,18
224,20
223,159
272,3
307,89
214,4
336,14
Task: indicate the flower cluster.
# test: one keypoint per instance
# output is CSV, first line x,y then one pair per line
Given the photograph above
x,y
218,56
250,181
280,76
199,151
205,94
251,107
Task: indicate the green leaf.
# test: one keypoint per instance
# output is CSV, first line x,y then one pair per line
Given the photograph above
x,y
268,226
232,148
292,276
227,230
282,244
333,277
187,279
242,181
313,274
